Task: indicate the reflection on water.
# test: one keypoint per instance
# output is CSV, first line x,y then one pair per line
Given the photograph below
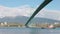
x,y
29,31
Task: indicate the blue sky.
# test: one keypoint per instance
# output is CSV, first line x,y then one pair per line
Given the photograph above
x,y
54,5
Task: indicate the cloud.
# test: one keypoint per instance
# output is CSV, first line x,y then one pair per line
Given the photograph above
x,y
51,14
27,10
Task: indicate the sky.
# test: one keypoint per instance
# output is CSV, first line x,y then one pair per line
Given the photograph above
x,y
13,8
54,5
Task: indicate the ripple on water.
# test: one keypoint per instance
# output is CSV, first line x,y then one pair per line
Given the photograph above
x,y
28,31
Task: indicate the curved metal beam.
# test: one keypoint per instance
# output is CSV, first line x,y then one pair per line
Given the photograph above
x,y
37,10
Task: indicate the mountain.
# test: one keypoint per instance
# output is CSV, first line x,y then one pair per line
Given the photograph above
x,y
23,19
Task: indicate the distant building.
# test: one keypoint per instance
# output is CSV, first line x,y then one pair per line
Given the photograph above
x,y
5,23
56,23
2,24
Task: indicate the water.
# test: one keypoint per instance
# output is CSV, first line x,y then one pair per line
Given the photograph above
x,y
29,31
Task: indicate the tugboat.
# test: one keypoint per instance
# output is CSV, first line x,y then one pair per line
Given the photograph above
x,y
51,27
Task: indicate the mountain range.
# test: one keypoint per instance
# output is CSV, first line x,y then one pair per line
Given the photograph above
x,y
23,19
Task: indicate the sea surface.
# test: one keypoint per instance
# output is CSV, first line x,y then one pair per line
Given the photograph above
x,y
29,31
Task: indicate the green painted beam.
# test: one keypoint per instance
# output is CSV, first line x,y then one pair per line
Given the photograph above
x,y
37,10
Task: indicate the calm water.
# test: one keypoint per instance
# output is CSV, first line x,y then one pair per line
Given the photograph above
x,y
29,31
